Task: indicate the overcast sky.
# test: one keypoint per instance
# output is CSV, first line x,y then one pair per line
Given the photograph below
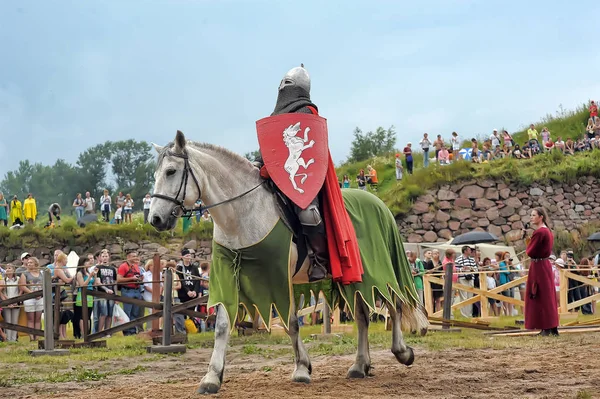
x,y
77,73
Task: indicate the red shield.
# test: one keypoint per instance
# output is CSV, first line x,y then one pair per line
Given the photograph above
x,y
295,151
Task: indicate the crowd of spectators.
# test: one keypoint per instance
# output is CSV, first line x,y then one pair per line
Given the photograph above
x,y
129,278
499,270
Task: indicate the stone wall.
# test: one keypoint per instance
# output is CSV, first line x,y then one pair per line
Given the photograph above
x,y
499,208
117,248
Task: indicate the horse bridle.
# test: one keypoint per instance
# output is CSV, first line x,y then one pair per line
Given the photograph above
x,y
180,210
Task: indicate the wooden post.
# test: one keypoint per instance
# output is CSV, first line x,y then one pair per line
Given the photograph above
x,y
156,289
326,317
57,311
564,290
447,314
85,314
48,316
484,300
167,315
427,293
48,319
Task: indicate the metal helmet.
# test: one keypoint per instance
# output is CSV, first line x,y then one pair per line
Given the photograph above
x,y
297,76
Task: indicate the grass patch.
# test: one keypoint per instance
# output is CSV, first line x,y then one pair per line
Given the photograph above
x,y
70,234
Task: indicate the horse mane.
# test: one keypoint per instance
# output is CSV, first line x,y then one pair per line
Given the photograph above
x,y
233,158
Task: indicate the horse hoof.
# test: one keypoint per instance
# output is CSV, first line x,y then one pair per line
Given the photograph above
x,y
207,388
406,357
301,376
209,385
356,371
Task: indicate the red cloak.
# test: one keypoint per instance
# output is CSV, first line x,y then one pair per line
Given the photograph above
x,y
344,255
540,312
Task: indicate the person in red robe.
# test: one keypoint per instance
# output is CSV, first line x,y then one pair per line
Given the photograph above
x,y
540,299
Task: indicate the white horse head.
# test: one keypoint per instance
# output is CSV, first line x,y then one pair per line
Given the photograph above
x,y
174,179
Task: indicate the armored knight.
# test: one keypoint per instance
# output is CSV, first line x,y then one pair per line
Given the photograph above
x,y
294,97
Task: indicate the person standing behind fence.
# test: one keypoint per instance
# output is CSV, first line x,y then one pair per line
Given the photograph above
x,y
9,290
540,302
465,264
103,308
418,270
129,277
63,277
31,281
84,278
189,275
178,318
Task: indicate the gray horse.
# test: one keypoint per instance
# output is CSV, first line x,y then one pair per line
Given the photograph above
x,y
245,213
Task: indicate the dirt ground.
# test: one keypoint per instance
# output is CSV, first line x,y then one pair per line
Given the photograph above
x,y
557,369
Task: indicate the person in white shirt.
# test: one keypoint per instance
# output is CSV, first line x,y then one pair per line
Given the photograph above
x,y
495,139
147,200
128,208
455,146
105,202
118,214
425,144
90,203
399,168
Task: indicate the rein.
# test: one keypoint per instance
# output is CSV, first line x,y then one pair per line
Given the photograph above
x,y
180,210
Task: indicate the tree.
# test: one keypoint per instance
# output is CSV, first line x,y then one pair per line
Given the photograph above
x,y
92,168
370,144
251,156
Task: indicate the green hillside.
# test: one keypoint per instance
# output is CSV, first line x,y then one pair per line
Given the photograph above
x,y
546,167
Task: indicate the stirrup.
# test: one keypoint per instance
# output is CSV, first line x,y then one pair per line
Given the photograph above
x,y
316,271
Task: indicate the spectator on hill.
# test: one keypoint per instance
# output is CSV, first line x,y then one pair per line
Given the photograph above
x,y
455,142
465,264
486,154
3,210
532,133
79,205
506,152
425,144
409,158
30,209
545,135
54,213
475,155
549,145
206,216
508,140
119,214
570,147
560,144
498,153
345,181
495,139
399,168
128,208
105,202
593,111
147,200
372,177
16,212
90,203
438,143
120,200
361,179
444,156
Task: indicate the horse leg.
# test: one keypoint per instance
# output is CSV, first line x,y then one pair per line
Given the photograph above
x,y
362,364
404,353
303,367
212,380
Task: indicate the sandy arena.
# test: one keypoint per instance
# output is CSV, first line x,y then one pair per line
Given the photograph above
x,y
567,367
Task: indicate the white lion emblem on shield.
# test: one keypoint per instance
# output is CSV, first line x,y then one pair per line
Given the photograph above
x,y
296,145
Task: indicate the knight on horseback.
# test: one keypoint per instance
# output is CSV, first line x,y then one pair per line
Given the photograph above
x,y
308,160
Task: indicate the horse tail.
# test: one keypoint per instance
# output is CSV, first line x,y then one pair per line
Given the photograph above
x,y
413,318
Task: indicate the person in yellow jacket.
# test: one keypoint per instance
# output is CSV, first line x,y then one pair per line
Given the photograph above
x,y
16,212
30,209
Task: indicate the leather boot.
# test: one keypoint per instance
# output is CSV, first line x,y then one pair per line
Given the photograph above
x,y
319,256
